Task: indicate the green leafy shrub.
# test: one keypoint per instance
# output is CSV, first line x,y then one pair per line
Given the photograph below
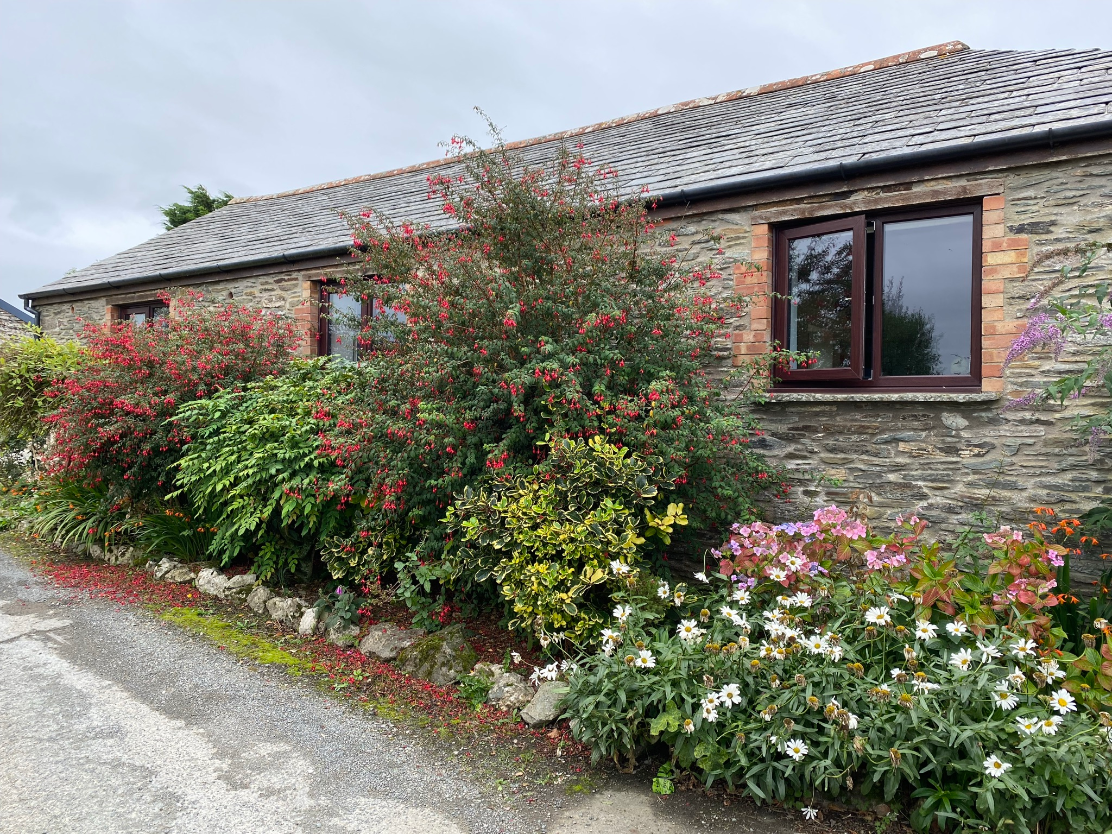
x,y
254,468
69,513
339,607
547,540
29,367
824,658
553,307
171,531
112,426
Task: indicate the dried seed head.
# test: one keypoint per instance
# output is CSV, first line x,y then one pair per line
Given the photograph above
x,y
800,680
754,665
1105,719
640,644
812,702
906,700
704,615
789,725
870,632
1089,640
708,681
859,745
895,756
909,653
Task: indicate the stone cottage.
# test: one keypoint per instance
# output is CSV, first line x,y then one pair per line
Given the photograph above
x,y
903,203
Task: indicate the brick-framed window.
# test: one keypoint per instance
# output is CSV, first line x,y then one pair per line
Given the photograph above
x,y
941,270
341,318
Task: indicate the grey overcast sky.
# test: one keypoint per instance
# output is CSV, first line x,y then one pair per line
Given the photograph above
x,y
108,107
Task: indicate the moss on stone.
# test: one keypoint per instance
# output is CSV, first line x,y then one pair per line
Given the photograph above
x,y
234,641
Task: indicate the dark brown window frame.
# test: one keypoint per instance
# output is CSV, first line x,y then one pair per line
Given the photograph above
x,y
325,290
147,308
870,266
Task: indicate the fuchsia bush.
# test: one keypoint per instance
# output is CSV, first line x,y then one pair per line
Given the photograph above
x,y
113,425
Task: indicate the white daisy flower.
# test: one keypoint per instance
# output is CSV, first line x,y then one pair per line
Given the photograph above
x,y
883,689
988,652
702,577
710,714
1004,698
743,642
727,612
834,653
710,699
1024,648
816,643
1050,725
1016,678
957,628
776,574
779,653
622,612
740,622
796,749
740,596
730,695
689,631
688,726
1053,672
766,649
893,598
925,629
1063,702
878,616
619,568
794,563
677,598
663,591
1028,726
962,659
810,813
923,686
611,636
800,600
645,660
995,767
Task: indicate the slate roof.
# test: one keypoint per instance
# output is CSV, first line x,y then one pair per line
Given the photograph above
x,y
943,97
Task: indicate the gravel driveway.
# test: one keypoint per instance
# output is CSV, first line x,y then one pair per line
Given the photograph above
x,y
112,721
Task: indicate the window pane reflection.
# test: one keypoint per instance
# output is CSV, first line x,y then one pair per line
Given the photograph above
x,y
820,282
344,316
926,297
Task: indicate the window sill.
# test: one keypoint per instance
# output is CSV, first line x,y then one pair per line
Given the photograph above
x,y
882,396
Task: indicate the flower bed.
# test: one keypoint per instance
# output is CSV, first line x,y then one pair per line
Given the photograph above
x,y
823,659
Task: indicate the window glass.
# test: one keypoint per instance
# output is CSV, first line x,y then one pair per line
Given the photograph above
x,y
820,282
344,316
926,298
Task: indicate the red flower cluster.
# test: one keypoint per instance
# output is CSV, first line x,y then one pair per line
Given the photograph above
x,y
113,421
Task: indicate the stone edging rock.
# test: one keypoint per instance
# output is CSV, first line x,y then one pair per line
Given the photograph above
x,y
441,658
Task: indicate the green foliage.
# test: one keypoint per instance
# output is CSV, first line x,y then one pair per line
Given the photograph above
x,y
552,308
68,513
546,539
200,203
812,664
254,468
339,607
171,532
29,367
475,688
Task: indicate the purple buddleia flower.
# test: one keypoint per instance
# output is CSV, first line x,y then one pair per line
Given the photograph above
x,y
1106,321
1022,402
1041,330
1097,435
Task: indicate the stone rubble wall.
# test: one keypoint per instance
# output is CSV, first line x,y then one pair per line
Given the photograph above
x,y
11,327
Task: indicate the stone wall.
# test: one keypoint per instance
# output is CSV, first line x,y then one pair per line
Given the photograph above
x,y
292,293
11,327
945,457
